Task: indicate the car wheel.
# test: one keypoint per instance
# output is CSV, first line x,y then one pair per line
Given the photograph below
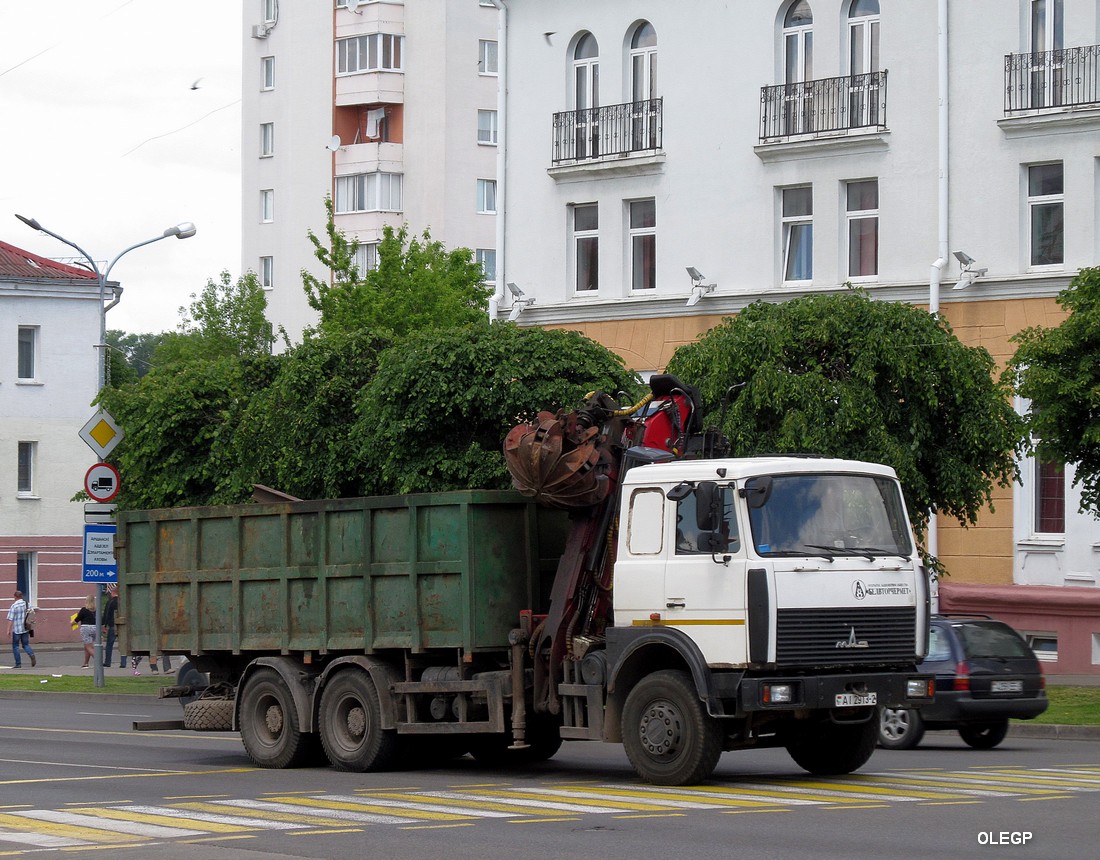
x,y
984,736
900,728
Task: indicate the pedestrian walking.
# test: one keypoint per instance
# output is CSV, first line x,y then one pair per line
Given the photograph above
x,y
109,629
85,621
17,630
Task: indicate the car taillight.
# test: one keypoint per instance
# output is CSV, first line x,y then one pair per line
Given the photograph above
x,y
1042,679
962,677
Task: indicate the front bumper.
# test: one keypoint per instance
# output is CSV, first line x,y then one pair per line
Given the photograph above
x,y
817,692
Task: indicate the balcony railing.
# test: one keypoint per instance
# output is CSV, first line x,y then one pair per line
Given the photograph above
x,y
1052,80
611,130
826,106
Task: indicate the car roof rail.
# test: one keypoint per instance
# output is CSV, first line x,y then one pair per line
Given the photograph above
x,y
963,615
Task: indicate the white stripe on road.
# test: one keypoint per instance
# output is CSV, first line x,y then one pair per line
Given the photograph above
x,y
212,818
40,840
298,809
134,828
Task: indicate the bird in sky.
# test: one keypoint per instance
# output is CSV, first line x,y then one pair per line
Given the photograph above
x,y
195,85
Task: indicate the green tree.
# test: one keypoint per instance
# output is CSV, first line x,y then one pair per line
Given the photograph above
x,y
435,415
417,284
130,356
845,376
1058,370
294,435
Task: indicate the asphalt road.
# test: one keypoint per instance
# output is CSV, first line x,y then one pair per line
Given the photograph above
x,y
74,776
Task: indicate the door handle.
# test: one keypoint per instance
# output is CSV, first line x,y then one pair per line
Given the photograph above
x,y
675,603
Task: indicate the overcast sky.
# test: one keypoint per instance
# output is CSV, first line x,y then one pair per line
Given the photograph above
x,y
104,141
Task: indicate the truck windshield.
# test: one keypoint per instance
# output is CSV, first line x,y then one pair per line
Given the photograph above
x,y
831,515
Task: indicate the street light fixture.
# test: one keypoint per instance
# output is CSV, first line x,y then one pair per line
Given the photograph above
x,y
184,230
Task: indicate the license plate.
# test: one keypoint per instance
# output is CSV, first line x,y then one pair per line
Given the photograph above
x,y
854,700
1008,686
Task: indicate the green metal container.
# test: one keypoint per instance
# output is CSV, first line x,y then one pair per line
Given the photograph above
x,y
416,572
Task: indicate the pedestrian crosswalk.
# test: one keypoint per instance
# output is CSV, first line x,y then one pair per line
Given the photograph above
x,y
112,825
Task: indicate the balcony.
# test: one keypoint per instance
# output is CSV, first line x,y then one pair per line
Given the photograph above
x,y
608,134
1052,81
830,107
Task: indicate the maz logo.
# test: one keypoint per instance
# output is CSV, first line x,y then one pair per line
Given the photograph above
x,y
852,641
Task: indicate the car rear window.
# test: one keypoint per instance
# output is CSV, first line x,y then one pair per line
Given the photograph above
x,y
992,640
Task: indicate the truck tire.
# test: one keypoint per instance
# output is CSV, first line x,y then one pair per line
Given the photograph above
x,y
542,737
351,724
189,676
832,749
269,722
669,738
208,715
984,736
900,728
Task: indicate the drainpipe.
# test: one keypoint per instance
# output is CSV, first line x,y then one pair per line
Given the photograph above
x,y
502,145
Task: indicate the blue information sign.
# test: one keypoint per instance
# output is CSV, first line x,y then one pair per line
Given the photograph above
x,y
99,553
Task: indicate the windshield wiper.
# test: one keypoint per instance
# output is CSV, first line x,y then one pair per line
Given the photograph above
x,y
870,552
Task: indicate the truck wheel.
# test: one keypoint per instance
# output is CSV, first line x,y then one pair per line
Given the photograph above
x,y
189,676
831,749
269,722
900,728
984,736
543,742
351,724
669,738
208,715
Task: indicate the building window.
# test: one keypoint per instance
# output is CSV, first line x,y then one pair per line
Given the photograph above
x,y
863,21
267,73
487,259
798,233
267,205
487,57
271,11
1045,204
267,139
798,43
25,480
586,97
1050,498
368,192
643,245
862,204
586,244
375,52
26,576
487,127
487,196
28,353
267,272
1045,646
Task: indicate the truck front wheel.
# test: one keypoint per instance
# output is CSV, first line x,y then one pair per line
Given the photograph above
x,y
831,749
269,722
351,724
668,736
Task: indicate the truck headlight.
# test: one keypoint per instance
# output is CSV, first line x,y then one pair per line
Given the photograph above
x,y
778,694
920,688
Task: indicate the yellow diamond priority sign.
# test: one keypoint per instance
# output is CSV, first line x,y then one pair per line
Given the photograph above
x,y
101,434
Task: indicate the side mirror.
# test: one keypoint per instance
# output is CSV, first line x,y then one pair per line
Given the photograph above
x,y
757,491
707,506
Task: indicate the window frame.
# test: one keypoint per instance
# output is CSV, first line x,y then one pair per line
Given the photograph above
x,y
490,128
270,11
1048,498
376,45
267,205
639,237
27,339
28,561
488,59
1037,202
867,24
854,218
267,272
487,259
486,189
589,237
373,191
267,74
267,139
26,468
788,223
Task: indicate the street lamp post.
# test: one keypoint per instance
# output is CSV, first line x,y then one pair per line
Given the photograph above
x,y
181,231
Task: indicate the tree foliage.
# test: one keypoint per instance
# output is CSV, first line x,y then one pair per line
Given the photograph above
x,y
417,284
1058,370
436,413
845,376
130,356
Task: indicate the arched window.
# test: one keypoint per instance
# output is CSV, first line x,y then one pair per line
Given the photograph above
x,y
863,37
798,43
586,96
643,87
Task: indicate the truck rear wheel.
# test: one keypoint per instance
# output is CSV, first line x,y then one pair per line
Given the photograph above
x,y
831,749
269,722
351,724
669,738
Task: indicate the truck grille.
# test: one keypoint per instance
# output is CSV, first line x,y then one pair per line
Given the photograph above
x,y
813,637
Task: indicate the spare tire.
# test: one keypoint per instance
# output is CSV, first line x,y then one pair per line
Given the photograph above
x,y
208,715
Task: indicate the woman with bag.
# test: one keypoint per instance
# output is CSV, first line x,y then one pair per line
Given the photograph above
x,y
85,622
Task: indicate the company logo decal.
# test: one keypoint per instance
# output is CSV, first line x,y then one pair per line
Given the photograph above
x,y
852,641
861,590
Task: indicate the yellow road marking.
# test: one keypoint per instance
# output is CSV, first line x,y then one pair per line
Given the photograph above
x,y
685,796
540,820
437,826
580,800
259,814
366,806
462,803
24,824
123,814
159,775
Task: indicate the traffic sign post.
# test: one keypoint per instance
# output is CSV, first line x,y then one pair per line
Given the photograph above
x,y
102,482
100,565
101,433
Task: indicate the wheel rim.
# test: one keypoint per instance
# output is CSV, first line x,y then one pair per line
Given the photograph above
x,y
895,724
270,722
350,722
662,729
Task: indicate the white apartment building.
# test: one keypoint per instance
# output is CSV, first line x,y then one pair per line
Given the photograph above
x,y
780,148
388,106
49,326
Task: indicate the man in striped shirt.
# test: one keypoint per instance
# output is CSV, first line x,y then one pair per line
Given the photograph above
x,y
17,629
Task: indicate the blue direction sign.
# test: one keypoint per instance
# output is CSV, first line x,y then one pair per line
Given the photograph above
x,y
99,553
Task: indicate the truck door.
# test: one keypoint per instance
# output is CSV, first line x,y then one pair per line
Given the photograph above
x,y
704,583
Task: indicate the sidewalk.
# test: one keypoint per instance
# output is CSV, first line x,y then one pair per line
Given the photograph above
x,y
66,659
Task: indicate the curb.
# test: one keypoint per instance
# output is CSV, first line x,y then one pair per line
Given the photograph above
x,y
112,698
1055,732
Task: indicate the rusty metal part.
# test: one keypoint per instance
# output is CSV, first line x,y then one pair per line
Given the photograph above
x,y
554,460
